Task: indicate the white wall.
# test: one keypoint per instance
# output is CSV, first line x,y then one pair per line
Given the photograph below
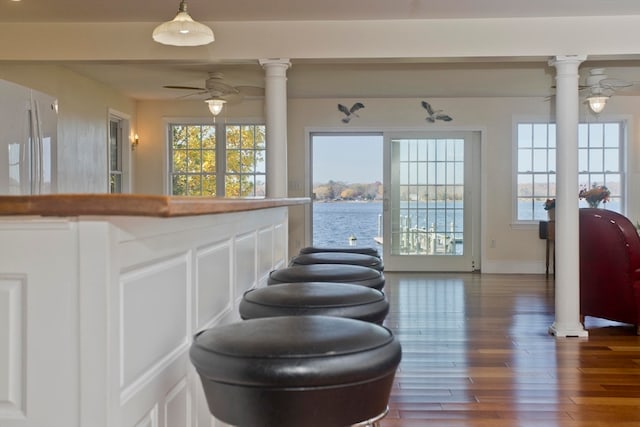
x,y
82,122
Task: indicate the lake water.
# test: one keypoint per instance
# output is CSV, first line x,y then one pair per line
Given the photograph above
x,y
334,222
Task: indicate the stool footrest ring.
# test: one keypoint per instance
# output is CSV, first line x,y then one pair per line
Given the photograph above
x,y
373,422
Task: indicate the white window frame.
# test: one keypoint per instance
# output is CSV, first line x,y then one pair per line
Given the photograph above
x,y
124,141
255,174
220,150
624,132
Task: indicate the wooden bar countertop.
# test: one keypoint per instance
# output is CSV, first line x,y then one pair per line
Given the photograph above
x,y
134,205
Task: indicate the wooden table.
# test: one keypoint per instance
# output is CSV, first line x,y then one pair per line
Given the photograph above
x,y
547,231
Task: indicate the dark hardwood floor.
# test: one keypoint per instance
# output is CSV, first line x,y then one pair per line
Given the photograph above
x,y
476,352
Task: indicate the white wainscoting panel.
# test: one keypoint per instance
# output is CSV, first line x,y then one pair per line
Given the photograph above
x,y
280,244
12,348
177,406
150,419
245,263
213,283
154,320
265,252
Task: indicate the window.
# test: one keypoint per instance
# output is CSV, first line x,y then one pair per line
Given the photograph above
x,y
600,154
199,166
600,160
245,174
193,160
115,156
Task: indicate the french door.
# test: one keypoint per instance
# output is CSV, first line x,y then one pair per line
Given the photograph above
x,y
431,212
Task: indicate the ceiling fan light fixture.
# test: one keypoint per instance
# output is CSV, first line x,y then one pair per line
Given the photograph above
x,y
183,30
597,103
215,105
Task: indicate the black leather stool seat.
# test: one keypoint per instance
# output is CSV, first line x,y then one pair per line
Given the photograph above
x,y
338,258
342,273
315,298
365,250
292,371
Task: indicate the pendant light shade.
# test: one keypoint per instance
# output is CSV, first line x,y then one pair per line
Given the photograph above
x,y
597,103
183,30
215,105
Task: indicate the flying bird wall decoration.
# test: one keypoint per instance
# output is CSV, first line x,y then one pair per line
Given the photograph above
x,y
435,114
350,113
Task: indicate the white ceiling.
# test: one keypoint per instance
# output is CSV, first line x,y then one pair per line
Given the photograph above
x,y
346,79
255,10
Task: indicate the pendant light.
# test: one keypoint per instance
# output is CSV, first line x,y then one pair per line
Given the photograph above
x,y
215,105
597,103
183,30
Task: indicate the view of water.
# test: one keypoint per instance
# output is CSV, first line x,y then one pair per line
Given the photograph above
x,y
334,222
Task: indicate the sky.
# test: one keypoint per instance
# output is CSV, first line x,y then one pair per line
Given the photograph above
x,y
348,158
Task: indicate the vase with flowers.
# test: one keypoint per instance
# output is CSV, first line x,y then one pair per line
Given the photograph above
x,y
550,207
595,195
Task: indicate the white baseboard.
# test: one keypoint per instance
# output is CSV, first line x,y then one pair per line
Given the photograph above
x,y
513,267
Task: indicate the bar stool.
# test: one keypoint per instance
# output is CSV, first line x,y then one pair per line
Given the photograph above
x,y
293,371
338,258
340,273
315,298
365,250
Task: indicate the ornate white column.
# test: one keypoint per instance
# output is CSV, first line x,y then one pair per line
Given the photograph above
x,y
276,123
567,238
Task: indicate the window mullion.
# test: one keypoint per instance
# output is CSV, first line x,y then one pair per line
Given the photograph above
x,y
221,158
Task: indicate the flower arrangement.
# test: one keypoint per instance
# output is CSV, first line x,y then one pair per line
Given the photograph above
x,y
595,195
549,204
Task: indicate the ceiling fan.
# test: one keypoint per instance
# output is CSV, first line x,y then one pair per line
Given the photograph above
x,y
600,88
219,92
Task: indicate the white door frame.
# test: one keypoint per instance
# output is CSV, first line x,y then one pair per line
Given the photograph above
x,y
126,147
471,261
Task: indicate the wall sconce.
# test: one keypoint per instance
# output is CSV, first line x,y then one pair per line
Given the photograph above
x,y
597,103
215,105
135,142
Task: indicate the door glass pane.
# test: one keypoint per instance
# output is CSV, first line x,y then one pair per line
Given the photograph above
x,y
428,216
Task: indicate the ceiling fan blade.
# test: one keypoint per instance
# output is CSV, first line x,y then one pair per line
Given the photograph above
x,y
184,87
233,98
200,93
580,87
251,90
614,83
218,86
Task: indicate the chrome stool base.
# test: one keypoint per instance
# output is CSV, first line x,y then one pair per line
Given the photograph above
x,y
373,422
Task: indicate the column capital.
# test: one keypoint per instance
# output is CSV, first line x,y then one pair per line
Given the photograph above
x,y
283,63
567,59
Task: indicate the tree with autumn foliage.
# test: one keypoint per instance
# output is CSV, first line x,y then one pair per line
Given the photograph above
x,y
333,190
245,158
194,165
